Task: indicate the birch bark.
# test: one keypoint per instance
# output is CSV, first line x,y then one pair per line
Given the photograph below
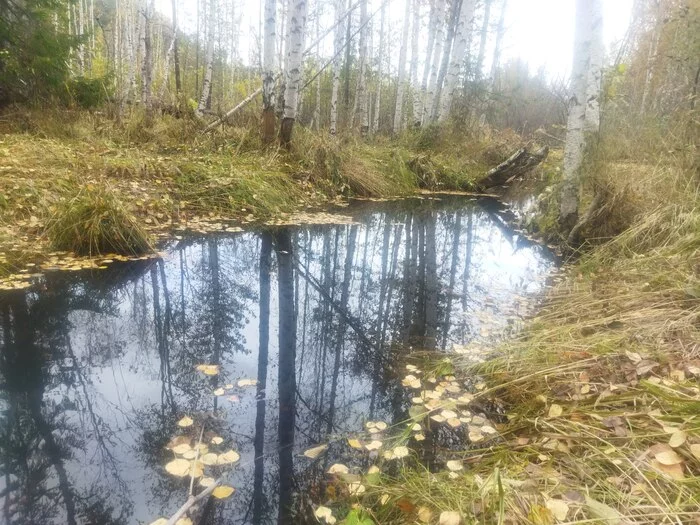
x,y
464,24
400,87
297,26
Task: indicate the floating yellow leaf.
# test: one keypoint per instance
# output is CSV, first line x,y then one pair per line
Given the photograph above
x,y
178,467
185,422
454,422
190,454
488,430
354,443
159,521
418,437
555,410
338,468
558,508
315,452
448,414
181,448
219,392
400,452
228,386
374,445
438,418
228,457
374,469
356,488
475,435
217,440
411,381
450,517
247,382
210,370
325,514
454,465
677,438
184,521
209,459
207,482
222,491
196,469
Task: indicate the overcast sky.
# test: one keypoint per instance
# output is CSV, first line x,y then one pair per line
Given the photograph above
x,y
538,31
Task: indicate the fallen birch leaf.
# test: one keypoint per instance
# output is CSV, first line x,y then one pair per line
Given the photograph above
x,y
555,410
450,517
178,467
677,438
454,465
315,452
228,457
338,468
185,422
222,491
558,508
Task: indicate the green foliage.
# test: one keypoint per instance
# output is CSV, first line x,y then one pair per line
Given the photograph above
x,y
33,51
90,93
358,517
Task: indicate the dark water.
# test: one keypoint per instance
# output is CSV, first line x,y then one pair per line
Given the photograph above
x,y
97,367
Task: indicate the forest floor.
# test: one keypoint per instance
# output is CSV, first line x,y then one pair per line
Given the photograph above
x,y
77,186
592,414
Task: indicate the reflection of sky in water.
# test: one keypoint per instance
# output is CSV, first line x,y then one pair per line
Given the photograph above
x,y
113,394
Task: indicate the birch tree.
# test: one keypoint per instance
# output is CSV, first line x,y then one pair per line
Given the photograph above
x,y
500,30
451,29
209,64
297,25
588,13
428,57
268,116
415,107
147,64
176,54
482,41
337,46
439,30
378,102
361,94
400,87
464,24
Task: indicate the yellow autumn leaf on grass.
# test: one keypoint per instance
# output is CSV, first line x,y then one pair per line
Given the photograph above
x,y
559,508
677,438
222,491
424,514
185,422
450,517
400,452
454,465
356,488
178,467
325,514
315,452
555,410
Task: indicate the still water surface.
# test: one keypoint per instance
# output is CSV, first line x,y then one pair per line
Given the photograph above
x,y
96,368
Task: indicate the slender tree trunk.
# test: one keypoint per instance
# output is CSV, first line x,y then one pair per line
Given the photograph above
x,y
147,64
317,103
575,144
435,62
362,80
595,69
416,106
348,62
401,81
209,65
500,30
464,24
337,45
432,25
176,53
452,20
482,42
378,103
297,25
268,116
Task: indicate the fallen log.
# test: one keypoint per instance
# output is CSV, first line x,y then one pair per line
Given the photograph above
x,y
517,165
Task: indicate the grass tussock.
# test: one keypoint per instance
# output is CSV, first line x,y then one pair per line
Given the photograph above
x,y
96,222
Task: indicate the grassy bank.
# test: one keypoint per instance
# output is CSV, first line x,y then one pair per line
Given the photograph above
x,y
596,404
85,184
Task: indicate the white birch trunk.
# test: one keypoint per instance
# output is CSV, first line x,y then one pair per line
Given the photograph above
x,y
432,24
361,97
317,105
575,144
147,64
380,72
337,46
209,65
464,24
428,108
416,106
297,25
268,124
401,81
595,69
482,41
500,30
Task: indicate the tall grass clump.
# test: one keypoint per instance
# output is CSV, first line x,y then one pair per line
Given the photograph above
x,y
96,222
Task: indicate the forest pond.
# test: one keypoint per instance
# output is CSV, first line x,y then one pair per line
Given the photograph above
x,y
97,367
